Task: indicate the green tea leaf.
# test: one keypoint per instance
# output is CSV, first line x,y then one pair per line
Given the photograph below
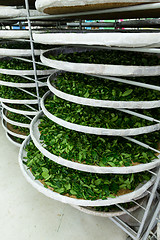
x,y
126,93
97,182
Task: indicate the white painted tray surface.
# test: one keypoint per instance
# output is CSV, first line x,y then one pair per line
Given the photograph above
x,y
17,101
10,12
25,72
62,6
125,40
30,84
15,34
18,52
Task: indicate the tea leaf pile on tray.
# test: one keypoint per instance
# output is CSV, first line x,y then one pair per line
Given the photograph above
x,y
14,93
16,139
91,116
18,117
114,57
73,183
23,45
102,89
17,79
92,149
17,64
22,106
19,130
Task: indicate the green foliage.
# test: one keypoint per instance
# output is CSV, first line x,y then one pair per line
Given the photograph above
x,y
92,149
76,183
22,106
109,57
17,79
14,93
19,65
93,116
102,89
152,139
18,117
21,130
23,45
16,139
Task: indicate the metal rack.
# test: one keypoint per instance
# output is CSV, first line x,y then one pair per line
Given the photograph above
x,y
145,228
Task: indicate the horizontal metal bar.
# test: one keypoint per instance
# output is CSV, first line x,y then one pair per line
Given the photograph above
x,y
34,95
127,212
124,227
28,60
18,40
41,23
28,78
141,144
92,24
40,78
31,107
153,238
152,172
152,23
139,115
148,192
153,235
28,117
31,79
138,204
155,174
144,85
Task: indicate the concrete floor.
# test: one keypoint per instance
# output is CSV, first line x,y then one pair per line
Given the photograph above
x,y
26,214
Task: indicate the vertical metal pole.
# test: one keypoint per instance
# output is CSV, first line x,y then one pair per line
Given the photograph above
x,y
20,25
149,205
80,24
32,49
115,24
57,25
